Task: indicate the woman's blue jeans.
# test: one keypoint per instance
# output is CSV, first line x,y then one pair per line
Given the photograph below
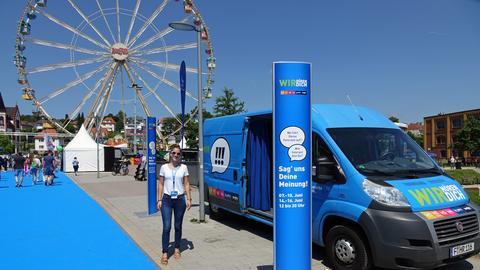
x,y
178,206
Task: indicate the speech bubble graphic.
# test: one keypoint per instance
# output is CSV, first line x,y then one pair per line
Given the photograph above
x,y
151,145
292,136
297,152
220,155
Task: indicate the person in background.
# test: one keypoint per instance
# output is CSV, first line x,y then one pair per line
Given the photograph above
x,y
57,162
26,166
5,163
35,165
38,160
75,165
11,161
452,162
18,161
174,193
48,168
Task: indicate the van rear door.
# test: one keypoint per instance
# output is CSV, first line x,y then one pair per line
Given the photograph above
x,y
224,154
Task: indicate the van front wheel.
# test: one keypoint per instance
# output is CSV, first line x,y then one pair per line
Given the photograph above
x,y
346,250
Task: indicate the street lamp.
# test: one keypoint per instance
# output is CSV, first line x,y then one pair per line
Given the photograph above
x,y
182,26
137,90
98,144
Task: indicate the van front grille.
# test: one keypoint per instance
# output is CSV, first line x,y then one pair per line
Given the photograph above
x,y
456,229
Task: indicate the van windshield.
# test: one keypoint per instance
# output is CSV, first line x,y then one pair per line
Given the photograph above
x,y
384,153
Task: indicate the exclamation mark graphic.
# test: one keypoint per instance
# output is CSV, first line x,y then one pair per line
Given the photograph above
x,y
222,155
217,155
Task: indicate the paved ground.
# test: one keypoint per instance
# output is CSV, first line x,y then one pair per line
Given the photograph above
x,y
231,242
60,227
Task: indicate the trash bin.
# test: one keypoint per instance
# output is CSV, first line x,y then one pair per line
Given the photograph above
x,y
136,160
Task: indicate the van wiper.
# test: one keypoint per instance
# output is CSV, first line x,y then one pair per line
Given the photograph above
x,y
416,173
431,170
375,172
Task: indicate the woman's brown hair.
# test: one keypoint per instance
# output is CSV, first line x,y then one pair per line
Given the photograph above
x,y
173,146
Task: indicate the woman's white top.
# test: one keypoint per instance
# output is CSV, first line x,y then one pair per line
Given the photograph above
x,y
171,176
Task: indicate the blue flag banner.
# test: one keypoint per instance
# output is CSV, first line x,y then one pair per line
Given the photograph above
x,y
183,87
49,143
292,166
152,165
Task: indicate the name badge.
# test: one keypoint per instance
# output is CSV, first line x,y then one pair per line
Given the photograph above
x,y
174,194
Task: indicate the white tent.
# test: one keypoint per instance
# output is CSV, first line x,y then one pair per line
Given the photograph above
x,y
84,148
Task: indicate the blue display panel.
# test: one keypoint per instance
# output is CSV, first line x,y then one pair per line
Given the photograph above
x,y
292,165
152,165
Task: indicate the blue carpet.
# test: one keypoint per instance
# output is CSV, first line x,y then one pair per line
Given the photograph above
x,y
60,227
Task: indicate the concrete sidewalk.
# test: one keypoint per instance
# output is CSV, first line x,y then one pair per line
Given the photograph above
x,y
231,242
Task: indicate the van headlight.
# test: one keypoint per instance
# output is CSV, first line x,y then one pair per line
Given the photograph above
x,y
385,195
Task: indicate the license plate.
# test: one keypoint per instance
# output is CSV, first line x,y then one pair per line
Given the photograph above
x,y
461,249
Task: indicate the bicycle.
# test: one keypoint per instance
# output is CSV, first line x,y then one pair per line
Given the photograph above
x,y
120,167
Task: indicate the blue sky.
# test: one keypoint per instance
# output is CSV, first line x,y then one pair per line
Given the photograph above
x,y
409,58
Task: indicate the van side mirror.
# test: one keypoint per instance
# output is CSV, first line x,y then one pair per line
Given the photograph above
x,y
325,170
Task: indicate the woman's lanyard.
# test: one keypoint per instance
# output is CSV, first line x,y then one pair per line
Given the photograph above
x,y
174,193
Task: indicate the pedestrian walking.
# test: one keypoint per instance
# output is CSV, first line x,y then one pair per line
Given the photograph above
x,y
10,161
34,169
26,166
5,163
18,161
75,165
48,168
174,196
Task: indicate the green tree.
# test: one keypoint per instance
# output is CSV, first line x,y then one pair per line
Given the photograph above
x,y
418,138
71,128
228,104
191,128
29,118
119,120
169,125
6,144
394,119
80,119
468,138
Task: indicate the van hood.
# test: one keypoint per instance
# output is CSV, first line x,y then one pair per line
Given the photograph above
x,y
432,193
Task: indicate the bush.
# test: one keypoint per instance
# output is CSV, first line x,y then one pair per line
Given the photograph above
x,y
474,196
465,177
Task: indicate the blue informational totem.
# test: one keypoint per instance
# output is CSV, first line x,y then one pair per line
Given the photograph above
x,y
292,165
152,165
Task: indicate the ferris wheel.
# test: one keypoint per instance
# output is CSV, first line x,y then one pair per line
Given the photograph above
x,y
105,54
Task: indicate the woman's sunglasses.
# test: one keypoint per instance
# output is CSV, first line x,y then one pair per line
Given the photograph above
x,y
175,153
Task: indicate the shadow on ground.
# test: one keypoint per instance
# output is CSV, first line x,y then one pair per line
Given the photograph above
x,y
318,253
184,245
262,230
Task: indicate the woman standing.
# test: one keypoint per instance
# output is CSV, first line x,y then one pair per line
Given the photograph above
x,y
174,195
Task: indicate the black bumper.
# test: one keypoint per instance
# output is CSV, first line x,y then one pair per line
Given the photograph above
x,y
405,240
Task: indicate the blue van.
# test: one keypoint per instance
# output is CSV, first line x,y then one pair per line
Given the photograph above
x,y
377,198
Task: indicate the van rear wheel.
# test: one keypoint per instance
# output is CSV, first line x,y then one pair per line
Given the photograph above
x,y
346,250
214,211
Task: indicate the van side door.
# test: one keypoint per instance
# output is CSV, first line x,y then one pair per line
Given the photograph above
x,y
325,175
